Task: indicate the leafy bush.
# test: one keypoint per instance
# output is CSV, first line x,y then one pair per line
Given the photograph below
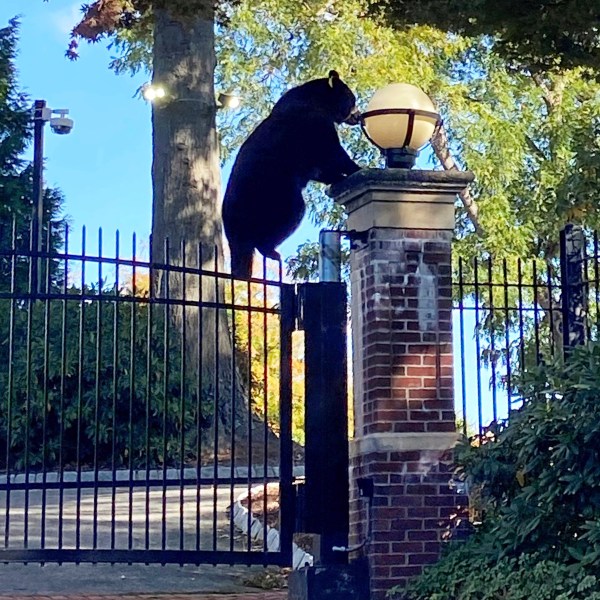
x,y
538,482
83,385
467,573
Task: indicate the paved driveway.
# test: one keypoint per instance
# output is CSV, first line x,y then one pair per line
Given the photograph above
x,y
133,519
179,525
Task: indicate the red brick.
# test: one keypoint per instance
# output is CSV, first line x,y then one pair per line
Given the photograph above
x,y
424,536
433,547
404,571
402,381
422,490
379,547
390,559
380,571
423,559
379,428
409,427
407,547
398,393
381,525
408,387
424,415
422,371
442,426
392,415
437,404
420,393
407,524
405,359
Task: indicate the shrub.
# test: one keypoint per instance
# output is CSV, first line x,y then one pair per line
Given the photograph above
x,y
538,481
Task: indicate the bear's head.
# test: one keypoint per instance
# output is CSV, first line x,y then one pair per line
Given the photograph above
x,y
329,95
341,100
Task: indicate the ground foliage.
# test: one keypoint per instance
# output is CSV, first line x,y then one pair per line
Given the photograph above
x,y
538,483
74,380
92,386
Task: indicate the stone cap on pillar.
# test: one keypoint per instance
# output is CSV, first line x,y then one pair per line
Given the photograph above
x,y
400,198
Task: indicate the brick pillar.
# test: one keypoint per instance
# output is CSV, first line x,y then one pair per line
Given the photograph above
x,y
401,306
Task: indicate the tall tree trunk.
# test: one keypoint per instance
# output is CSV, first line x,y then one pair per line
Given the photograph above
x,y
186,192
185,167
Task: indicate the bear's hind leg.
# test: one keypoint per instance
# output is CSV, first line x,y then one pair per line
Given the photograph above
x,y
242,255
272,254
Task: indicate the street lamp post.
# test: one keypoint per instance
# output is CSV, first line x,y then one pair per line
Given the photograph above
x,y
61,125
39,112
402,221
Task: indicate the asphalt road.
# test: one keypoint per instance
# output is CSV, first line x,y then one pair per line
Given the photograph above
x,y
168,518
104,523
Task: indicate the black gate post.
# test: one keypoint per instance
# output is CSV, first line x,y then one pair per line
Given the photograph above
x,y
286,493
323,318
574,296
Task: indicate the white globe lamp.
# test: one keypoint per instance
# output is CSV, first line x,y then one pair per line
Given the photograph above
x,y
400,119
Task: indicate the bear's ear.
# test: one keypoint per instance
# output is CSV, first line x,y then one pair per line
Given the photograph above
x,y
333,75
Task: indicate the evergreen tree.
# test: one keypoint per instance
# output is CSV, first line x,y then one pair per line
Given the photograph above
x,y
16,173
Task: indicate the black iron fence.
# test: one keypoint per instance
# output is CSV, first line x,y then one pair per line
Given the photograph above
x,y
512,314
145,408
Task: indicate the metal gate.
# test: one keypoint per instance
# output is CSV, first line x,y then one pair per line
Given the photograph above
x,y
138,426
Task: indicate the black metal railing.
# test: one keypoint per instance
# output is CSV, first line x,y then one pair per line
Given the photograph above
x,y
142,413
513,314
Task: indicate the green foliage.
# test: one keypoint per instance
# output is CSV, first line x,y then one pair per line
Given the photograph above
x,y
520,133
529,137
90,384
468,574
541,34
538,485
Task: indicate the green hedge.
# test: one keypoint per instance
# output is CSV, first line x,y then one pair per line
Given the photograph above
x,y
112,401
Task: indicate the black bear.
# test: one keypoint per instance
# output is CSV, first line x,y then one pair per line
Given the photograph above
x,y
296,143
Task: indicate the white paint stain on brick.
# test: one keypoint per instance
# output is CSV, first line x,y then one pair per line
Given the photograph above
x,y
427,297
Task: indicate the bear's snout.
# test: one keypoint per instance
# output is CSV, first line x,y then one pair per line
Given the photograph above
x,y
353,118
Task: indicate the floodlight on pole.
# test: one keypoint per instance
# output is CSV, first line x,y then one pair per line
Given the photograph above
x,y
62,125
232,101
157,94
153,92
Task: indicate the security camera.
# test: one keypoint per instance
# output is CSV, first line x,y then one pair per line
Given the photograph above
x,y
61,125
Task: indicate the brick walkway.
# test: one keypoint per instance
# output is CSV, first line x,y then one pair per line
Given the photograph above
x,y
279,595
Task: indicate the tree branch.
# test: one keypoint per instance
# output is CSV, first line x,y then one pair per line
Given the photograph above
x,y
440,146
535,148
551,94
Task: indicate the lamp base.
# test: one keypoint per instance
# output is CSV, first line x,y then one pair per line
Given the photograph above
x,y
400,158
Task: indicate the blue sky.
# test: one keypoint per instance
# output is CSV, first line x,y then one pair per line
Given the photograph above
x,y
103,166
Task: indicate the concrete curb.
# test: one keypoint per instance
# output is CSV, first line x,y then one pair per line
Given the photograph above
x,y
124,475
239,514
